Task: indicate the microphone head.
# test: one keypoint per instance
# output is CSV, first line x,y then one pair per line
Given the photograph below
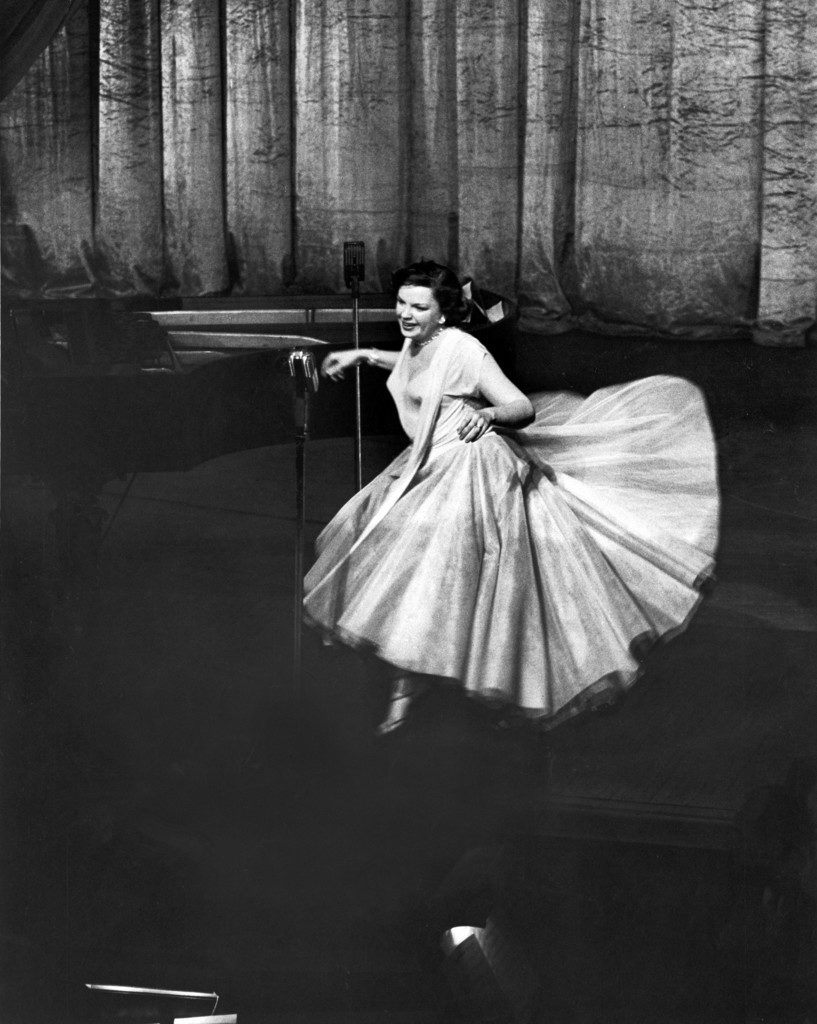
x,y
354,263
302,367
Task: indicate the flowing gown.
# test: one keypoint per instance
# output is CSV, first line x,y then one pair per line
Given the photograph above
x,y
530,566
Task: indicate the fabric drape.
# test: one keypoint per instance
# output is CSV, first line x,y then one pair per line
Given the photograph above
x,y
258,137
622,164
192,141
788,217
350,138
26,28
488,127
548,158
668,162
46,169
129,193
432,200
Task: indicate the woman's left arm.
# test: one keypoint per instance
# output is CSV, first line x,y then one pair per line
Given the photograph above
x,y
509,406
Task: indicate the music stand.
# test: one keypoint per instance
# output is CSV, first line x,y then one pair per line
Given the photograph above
x,y
147,1005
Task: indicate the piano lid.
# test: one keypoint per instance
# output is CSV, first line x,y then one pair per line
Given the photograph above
x,y
231,341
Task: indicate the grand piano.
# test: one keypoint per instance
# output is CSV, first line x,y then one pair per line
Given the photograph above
x,y
96,389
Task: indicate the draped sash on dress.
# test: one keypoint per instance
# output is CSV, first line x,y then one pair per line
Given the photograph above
x,y
429,409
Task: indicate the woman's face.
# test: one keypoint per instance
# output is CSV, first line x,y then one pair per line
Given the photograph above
x,y
418,313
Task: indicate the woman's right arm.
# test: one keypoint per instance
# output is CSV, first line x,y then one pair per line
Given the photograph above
x,y
336,363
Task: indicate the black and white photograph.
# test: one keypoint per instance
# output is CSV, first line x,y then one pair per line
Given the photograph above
x,y
408,512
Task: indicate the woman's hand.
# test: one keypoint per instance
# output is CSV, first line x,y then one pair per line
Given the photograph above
x,y
336,363
472,423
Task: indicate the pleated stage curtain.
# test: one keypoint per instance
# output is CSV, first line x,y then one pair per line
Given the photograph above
x,y
258,162
47,168
351,138
26,28
622,164
127,251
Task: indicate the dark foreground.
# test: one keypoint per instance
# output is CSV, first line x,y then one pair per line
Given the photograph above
x,y
178,813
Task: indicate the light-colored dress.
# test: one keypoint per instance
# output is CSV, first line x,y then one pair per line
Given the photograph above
x,y
529,566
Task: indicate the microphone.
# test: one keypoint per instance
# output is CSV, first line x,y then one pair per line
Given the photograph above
x,y
354,265
304,375
302,368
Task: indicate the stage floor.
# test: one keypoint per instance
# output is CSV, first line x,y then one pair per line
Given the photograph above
x,y
192,818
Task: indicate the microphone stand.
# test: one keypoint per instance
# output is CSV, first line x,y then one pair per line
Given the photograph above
x,y
305,381
354,270
358,428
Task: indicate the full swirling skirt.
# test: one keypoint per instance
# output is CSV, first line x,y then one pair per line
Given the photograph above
x,y
532,566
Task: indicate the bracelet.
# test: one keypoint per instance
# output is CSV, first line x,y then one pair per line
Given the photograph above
x,y
371,358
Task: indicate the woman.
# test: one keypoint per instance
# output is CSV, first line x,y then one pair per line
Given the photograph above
x,y
520,547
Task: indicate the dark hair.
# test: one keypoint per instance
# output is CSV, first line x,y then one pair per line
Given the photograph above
x,y
444,285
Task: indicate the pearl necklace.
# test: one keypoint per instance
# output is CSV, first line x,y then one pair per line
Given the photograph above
x,y
428,340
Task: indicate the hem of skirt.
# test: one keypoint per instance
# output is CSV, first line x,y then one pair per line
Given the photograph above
x,y
333,637
609,691
603,694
